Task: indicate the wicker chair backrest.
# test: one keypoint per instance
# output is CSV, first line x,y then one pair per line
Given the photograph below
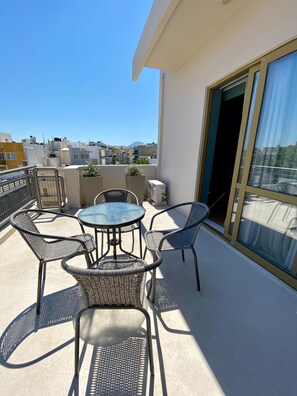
x,y
25,223
197,215
114,284
116,195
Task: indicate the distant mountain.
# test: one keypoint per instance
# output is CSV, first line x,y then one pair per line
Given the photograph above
x,y
135,144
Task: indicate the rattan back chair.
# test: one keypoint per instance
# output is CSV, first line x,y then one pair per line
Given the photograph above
x,y
181,238
119,195
49,247
112,284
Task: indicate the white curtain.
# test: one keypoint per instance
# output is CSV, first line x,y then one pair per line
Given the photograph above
x,y
278,119
266,227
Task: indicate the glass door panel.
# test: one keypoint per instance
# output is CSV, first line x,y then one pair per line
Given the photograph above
x,y
261,217
233,213
248,127
269,228
274,162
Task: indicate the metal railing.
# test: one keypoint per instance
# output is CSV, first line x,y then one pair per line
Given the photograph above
x,y
50,190
16,190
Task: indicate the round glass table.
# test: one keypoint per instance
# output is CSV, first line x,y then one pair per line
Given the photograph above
x,y
112,216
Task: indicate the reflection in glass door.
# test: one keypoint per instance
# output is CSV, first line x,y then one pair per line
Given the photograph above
x,y
260,218
269,216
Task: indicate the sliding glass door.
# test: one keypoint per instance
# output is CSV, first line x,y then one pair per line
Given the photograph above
x,y
261,219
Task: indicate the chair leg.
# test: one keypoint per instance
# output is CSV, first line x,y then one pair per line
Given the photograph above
x,y
92,258
144,254
76,346
41,276
102,238
149,339
133,241
120,243
152,290
140,240
76,341
96,242
183,255
196,268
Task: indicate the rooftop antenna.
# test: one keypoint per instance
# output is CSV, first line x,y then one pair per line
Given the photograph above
x,y
43,144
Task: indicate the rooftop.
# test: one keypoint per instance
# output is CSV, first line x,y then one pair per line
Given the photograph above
x,y
236,337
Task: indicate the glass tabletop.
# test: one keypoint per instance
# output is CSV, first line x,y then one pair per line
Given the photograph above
x,y
111,214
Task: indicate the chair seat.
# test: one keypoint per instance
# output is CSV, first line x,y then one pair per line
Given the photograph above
x,y
176,241
63,248
128,228
88,239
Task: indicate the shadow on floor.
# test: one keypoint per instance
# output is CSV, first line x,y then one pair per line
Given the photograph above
x,y
56,308
120,368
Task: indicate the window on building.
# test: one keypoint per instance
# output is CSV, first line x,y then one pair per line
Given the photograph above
x,y
10,156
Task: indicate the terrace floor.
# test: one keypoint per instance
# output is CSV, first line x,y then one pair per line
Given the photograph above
x,y
236,337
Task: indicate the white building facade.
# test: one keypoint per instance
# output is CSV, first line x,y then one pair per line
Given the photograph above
x,y
5,137
227,123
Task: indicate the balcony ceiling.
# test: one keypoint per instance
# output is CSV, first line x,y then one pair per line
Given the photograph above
x,y
175,29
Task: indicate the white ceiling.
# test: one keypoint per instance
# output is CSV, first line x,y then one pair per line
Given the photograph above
x,y
169,40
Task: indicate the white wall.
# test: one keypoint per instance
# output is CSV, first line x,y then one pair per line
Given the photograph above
x,y
94,153
5,137
113,177
256,28
36,154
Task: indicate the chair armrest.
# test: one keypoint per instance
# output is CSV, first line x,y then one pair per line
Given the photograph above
x,y
179,231
156,263
41,211
147,267
47,236
167,210
53,237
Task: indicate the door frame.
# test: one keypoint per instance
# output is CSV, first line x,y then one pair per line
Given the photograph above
x,y
261,65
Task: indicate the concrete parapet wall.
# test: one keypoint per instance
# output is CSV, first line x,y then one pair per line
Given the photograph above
x,y
113,176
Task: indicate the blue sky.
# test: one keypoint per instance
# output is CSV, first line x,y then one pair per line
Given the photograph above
x,y
66,69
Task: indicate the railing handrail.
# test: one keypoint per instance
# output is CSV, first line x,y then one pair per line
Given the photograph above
x,y
21,169
273,167
6,182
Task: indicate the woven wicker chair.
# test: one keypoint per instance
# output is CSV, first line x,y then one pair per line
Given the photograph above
x,y
49,247
112,284
178,239
119,195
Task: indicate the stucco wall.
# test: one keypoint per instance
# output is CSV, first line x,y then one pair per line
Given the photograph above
x,y
256,28
113,177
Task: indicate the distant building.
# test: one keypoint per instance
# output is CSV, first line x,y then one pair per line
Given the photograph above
x,y
78,156
36,154
5,137
146,150
115,155
12,155
65,156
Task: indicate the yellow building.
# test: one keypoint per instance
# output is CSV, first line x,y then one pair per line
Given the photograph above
x,y
12,155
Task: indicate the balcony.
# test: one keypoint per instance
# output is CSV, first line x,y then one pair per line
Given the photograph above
x,y
18,187
236,337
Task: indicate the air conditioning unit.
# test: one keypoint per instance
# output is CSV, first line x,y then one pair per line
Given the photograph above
x,y
156,191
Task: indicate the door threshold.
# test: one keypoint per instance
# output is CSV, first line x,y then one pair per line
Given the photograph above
x,y
215,226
